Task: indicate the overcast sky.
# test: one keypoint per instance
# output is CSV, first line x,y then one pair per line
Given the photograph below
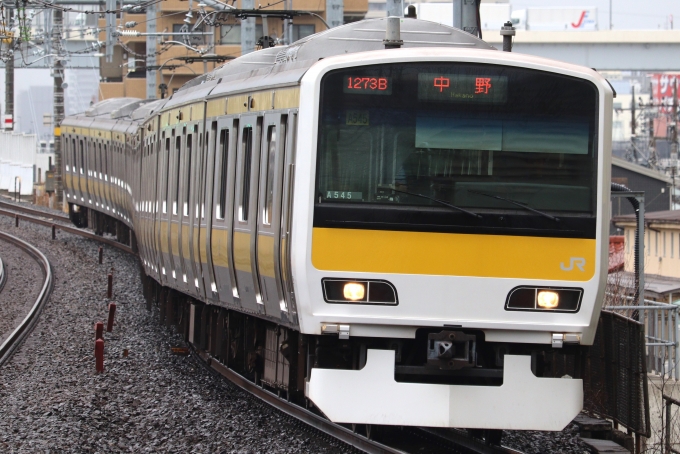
x,y
626,14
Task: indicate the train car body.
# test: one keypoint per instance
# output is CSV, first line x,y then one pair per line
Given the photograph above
x,y
396,236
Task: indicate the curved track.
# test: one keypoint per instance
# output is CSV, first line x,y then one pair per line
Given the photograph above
x,y
3,275
20,332
441,441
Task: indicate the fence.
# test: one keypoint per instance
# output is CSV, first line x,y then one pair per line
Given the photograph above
x,y
662,333
615,376
17,157
671,425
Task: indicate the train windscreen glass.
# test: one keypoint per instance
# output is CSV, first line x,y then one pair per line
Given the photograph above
x,y
415,143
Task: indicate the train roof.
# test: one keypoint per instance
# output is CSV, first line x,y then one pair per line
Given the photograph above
x,y
108,106
285,65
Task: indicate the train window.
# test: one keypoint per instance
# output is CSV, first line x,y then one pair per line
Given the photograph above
x,y
82,158
224,149
106,165
206,153
245,184
178,146
95,152
187,180
270,164
74,164
166,175
406,142
101,163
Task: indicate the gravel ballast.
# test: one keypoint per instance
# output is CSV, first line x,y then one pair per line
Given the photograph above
x,y
24,282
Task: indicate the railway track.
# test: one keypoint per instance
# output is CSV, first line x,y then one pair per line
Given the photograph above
x,y
56,222
395,440
12,342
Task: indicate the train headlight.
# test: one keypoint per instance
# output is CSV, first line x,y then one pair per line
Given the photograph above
x,y
547,299
544,299
354,291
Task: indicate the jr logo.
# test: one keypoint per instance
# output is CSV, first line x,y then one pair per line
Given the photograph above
x,y
579,262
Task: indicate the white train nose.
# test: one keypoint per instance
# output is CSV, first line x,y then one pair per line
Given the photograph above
x,y
372,396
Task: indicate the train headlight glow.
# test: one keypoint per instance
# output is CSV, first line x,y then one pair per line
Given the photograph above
x,y
547,299
354,291
544,299
358,291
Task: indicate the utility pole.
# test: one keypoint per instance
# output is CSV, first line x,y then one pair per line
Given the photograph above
x,y
58,74
9,71
674,140
632,124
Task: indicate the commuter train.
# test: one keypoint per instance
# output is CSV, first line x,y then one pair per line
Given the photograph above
x,y
390,236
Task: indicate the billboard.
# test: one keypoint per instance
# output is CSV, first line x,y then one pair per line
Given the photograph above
x,y
662,90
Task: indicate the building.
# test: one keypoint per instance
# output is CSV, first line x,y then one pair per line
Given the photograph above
x,y
177,63
655,185
661,257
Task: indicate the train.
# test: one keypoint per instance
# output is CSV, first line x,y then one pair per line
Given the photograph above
x,y
387,231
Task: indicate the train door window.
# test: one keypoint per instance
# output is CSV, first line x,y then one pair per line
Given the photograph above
x,y
187,179
99,170
247,158
106,164
270,170
224,149
206,152
82,157
73,152
178,145
166,175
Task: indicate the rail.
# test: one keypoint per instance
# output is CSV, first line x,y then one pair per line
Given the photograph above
x,y
3,276
662,334
464,444
62,227
670,421
22,209
20,332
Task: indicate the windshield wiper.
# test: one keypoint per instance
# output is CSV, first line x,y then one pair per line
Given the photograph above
x,y
441,202
514,202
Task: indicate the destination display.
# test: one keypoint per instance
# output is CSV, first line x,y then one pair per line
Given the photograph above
x,y
462,88
367,85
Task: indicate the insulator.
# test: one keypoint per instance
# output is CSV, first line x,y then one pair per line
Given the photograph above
x,y
130,24
128,32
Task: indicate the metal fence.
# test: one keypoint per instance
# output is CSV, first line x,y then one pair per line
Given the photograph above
x,y
662,333
671,423
613,370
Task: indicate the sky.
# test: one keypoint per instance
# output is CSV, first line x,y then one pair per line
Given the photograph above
x,y
626,14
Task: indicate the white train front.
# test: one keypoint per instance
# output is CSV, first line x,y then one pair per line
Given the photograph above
x,y
396,236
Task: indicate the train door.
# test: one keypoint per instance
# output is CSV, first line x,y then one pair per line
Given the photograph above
x,y
175,208
206,197
191,206
221,244
81,170
290,310
197,198
98,174
163,209
245,213
188,153
268,246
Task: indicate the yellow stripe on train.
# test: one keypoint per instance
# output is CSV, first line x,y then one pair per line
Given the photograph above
x,y
452,254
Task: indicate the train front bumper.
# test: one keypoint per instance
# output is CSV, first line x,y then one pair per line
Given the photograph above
x,y
372,396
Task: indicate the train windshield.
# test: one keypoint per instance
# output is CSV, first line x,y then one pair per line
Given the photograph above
x,y
443,146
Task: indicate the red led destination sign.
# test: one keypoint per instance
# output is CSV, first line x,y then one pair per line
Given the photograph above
x,y
462,88
367,85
